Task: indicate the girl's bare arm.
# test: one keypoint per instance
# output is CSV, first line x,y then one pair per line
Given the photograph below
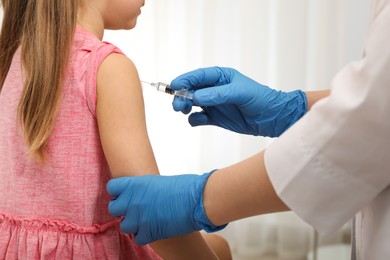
x,y
125,141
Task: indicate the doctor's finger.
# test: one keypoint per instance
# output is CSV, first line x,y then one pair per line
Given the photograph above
x,y
200,78
129,225
198,118
143,239
183,105
219,95
116,186
117,208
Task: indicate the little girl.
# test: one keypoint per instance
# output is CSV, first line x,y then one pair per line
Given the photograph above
x,y
72,117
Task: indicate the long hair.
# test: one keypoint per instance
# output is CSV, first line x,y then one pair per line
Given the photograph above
x,y
43,29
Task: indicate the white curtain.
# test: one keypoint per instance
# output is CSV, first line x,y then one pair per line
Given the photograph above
x,y
286,44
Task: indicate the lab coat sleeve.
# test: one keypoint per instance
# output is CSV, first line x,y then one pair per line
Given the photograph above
x,y
336,159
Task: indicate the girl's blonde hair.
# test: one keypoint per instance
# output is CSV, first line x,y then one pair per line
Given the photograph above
x,y
44,30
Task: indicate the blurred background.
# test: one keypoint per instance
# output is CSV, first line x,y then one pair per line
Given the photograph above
x,y
285,44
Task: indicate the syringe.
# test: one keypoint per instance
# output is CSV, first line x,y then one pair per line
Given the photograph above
x,y
162,87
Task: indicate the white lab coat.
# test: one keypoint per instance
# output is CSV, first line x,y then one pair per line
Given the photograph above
x,y
334,163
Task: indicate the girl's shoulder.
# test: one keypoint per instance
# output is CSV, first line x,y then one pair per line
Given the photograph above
x,y
87,54
86,42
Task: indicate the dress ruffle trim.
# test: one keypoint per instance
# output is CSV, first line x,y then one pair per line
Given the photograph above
x,y
56,225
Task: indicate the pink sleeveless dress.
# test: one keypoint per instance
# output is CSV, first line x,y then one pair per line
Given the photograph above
x,y
60,211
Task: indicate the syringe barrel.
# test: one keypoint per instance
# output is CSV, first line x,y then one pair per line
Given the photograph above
x,y
184,93
164,88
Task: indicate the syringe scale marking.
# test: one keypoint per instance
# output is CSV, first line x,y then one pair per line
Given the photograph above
x,y
163,87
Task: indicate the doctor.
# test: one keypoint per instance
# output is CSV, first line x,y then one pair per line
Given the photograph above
x,y
331,162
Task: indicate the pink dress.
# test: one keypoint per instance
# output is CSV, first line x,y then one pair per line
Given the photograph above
x,y
60,211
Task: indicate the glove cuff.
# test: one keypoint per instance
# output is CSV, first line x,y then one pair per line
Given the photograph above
x,y
293,108
298,100
302,102
200,212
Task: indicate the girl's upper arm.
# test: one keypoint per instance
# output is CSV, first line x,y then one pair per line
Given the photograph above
x,y
121,118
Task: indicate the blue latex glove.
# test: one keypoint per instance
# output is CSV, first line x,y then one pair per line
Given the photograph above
x,y
158,207
238,103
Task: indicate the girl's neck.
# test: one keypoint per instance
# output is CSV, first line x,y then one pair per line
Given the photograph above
x,y
98,31
91,20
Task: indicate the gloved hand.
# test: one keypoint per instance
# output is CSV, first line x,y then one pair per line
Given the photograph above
x,y
238,103
158,207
